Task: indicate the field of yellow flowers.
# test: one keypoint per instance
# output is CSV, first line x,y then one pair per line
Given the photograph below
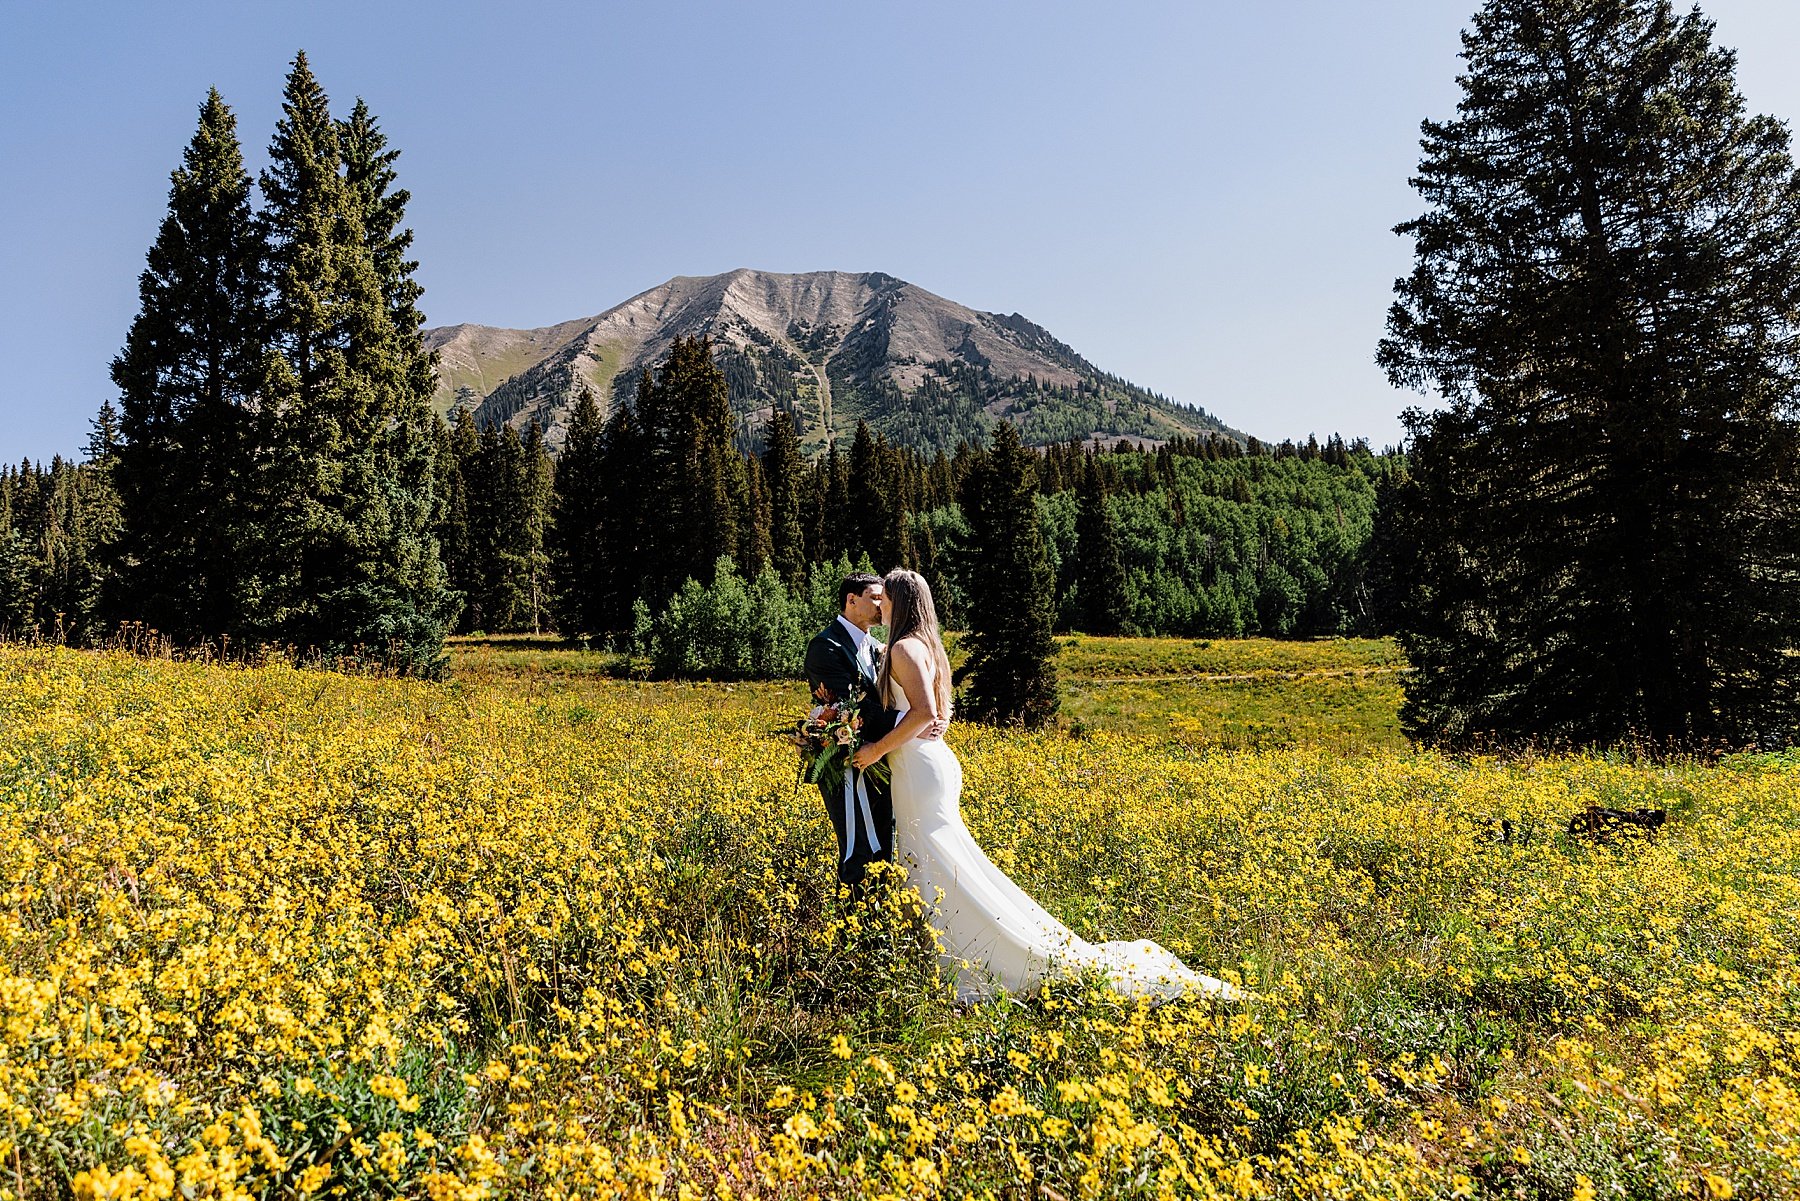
x,y
271,933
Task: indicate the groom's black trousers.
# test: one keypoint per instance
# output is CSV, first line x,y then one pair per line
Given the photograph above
x,y
851,868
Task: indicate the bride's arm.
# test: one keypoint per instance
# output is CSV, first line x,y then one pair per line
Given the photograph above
x,y
907,662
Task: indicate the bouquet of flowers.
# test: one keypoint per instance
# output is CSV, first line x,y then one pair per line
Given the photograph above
x,y
828,736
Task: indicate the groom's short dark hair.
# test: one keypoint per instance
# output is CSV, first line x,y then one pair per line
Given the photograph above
x,y
855,584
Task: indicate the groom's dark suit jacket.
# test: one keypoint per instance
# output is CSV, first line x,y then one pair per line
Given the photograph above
x,y
831,661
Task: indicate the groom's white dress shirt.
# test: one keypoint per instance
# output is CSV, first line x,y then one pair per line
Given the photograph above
x,y
863,641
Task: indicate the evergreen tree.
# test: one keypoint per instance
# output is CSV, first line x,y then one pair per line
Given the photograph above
x,y
841,537
871,500
411,443
784,471
348,557
443,483
189,370
485,608
755,548
1011,590
578,556
1389,557
104,437
96,521
57,521
829,524
901,479
940,486
1605,292
509,499
539,480
696,471
19,560
370,175
460,448
631,536
936,558
82,521
1100,577
17,594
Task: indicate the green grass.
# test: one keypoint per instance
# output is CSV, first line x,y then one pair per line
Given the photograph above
x,y
1237,694
1346,713
487,373
1080,656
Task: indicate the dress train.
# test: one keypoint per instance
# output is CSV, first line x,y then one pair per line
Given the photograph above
x,y
991,933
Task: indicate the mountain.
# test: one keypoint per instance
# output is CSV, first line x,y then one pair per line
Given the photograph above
x,y
834,347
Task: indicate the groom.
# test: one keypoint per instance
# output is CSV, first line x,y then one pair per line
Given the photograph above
x,y
843,658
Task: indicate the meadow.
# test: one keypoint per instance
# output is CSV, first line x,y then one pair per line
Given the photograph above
x,y
547,932
1243,693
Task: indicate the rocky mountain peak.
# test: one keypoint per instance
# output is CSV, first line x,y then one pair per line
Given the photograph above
x,y
833,347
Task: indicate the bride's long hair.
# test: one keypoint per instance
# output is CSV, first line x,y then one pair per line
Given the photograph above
x,y
911,614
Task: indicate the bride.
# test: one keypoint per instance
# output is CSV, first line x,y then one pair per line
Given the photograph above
x,y
992,935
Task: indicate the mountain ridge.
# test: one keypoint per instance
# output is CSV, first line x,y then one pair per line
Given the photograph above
x,y
833,347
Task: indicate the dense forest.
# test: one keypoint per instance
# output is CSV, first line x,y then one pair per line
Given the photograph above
x,y
58,523
1198,538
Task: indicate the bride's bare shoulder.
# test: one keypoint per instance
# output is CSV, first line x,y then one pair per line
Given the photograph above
x,y
912,650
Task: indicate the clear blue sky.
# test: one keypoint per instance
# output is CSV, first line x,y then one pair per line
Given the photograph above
x,y
1196,195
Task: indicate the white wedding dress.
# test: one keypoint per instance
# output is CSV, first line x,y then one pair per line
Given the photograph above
x,y
993,936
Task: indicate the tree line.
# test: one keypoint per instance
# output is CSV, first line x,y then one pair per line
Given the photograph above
x,y
1200,537
57,523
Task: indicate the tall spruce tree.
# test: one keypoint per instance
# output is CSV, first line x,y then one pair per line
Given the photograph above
x,y
828,534
348,557
17,596
96,520
940,485
540,491
508,504
82,519
870,498
20,562
838,499
900,468
1100,577
459,446
56,522
1605,293
878,499
630,536
369,172
696,471
755,546
784,479
411,445
103,435
1011,590
187,375
578,559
